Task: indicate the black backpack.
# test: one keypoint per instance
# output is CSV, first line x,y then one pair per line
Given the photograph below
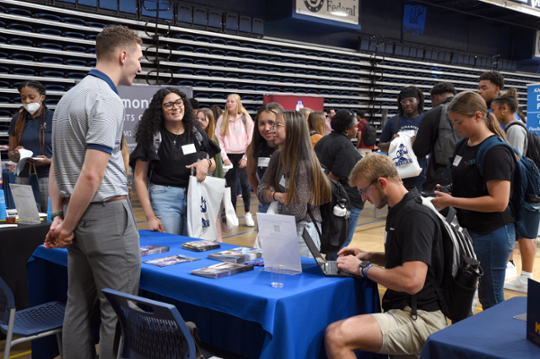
x,y
533,143
335,219
369,135
462,271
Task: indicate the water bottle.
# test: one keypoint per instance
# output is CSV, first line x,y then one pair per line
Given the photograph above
x,y
49,211
468,272
2,206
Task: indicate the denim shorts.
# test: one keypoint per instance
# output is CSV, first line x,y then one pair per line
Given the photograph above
x,y
170,207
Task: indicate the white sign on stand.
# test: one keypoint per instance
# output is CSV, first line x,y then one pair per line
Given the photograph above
x,y
277,233
25,203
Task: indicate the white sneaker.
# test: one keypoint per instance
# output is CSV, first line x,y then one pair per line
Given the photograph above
x,y
519,284
249,220
510,271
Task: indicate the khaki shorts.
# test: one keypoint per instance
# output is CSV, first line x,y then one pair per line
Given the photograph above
x,y
403,335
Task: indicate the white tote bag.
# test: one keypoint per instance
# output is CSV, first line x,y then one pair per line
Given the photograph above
x,y
403,156
229,220
203,203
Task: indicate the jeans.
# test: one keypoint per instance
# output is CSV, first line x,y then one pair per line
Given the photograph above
x,y
263,208
310,227
353,221
493,250
170,207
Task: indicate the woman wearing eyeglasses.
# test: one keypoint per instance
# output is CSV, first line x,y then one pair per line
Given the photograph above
x,y
294,177
170,141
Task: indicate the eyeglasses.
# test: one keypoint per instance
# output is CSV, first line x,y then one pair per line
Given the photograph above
x,y
178,103
410,100
363,190
273,128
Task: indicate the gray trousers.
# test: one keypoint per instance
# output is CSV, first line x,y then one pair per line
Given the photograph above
x,y
105,254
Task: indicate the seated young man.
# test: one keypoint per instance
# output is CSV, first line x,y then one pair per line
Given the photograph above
x,y
413,250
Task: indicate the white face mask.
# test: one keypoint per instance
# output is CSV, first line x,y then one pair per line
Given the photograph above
x,y
32,107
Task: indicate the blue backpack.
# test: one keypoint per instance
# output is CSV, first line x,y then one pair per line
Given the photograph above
x,y
525,197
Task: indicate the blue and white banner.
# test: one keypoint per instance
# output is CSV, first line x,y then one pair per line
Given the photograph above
x,y
533,108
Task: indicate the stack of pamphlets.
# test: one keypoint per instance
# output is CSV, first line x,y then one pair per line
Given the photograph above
x,y
237,255
222,270
169,261
201,246
149,250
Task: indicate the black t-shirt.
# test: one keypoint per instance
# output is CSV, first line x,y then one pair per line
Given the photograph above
x,y
169,165
413,233
263,158
424,144
499,164
339,156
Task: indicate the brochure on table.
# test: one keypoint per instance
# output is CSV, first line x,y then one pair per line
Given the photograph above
x,y
25,203
533,311
279,242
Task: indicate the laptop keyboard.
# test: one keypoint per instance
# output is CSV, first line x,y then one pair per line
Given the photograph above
x,y
331,267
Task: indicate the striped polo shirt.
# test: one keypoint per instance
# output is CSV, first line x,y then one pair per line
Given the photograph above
x,y
89,116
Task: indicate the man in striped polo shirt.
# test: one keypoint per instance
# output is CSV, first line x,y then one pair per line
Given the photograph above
x,y
92,215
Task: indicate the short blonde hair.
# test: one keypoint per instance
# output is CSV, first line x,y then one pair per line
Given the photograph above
x,y
372,167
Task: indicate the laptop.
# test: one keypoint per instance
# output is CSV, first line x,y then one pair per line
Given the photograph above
x,y
328,268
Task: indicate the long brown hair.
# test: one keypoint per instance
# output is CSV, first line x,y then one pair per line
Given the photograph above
x,y
224,130
257,140
468,103
317,122
23,115
211,123
298,149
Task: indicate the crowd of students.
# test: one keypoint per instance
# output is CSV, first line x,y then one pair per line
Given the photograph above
x,y
287,157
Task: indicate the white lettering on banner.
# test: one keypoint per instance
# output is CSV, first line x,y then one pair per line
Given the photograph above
x,y
538,106
135,103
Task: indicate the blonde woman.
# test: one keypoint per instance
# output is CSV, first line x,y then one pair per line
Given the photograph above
x,y
234,131
317,126
481,199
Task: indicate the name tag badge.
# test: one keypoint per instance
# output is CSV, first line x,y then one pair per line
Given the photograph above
x,y
240,129
263,161
457,160
189,149
284,182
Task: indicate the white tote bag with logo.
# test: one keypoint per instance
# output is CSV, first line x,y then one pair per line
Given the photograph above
x,y
203,203
403,156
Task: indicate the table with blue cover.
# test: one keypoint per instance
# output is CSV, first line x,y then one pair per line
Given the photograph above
x,y
242,313
491,334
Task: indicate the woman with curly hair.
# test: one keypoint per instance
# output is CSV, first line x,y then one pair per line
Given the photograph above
x,y
170,141
31,129
295,178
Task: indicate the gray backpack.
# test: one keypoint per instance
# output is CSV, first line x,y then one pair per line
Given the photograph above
x,y
448,138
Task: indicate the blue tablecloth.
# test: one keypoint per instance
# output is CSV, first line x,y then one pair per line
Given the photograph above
x,y
241,313
492,334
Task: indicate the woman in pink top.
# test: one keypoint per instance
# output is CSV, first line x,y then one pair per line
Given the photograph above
x,y
234,130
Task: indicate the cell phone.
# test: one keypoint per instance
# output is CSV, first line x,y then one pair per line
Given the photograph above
x,y
428,194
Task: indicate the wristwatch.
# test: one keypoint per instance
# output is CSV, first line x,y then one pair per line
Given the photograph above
x,y
363,266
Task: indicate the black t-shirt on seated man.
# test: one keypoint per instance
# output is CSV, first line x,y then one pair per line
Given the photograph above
x,y
174,154
499,164
413,233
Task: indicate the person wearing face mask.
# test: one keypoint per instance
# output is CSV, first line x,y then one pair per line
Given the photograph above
x,y
31,129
